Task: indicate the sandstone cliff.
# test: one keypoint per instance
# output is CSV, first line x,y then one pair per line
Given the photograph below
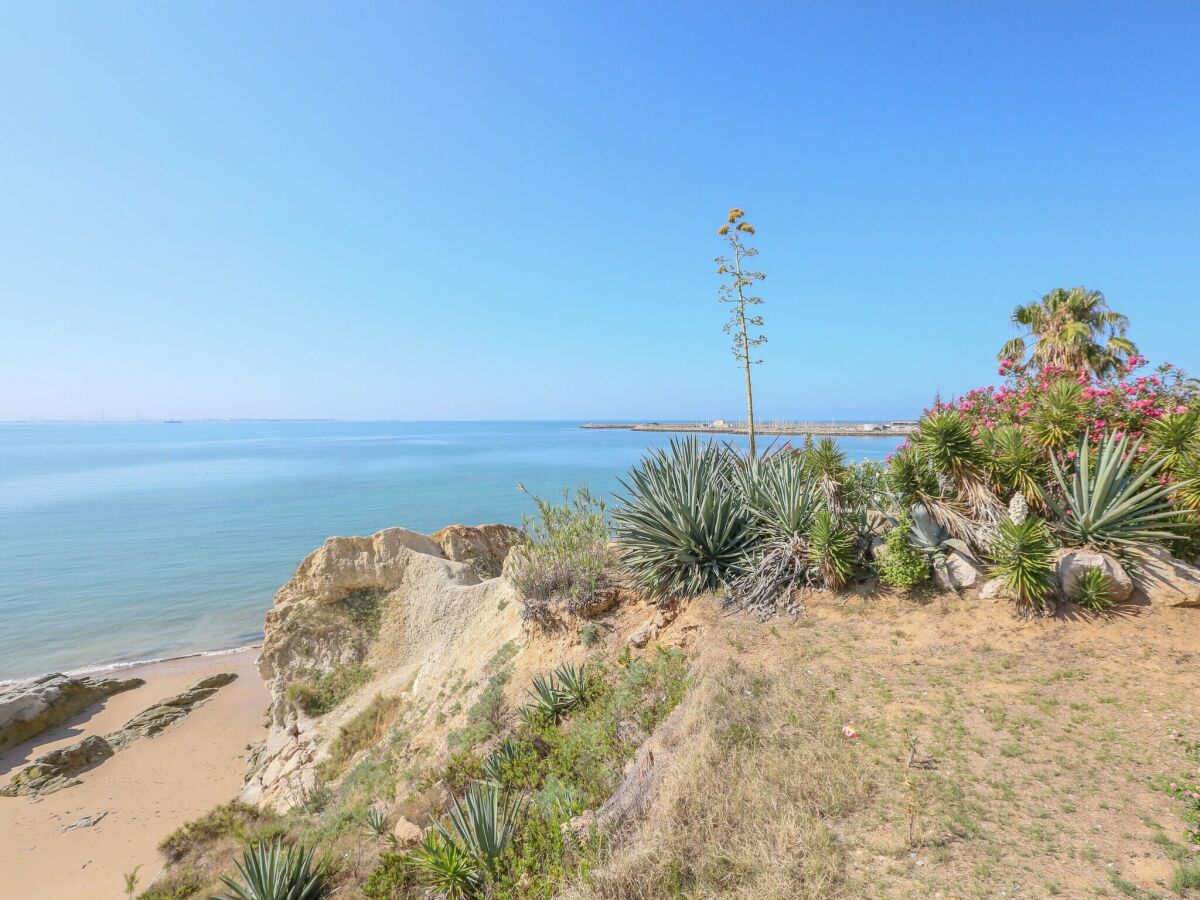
x,y
402,611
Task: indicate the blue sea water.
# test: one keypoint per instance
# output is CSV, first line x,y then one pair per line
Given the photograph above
x,y
131,541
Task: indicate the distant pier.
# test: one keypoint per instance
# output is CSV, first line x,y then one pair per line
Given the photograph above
x,y
791,429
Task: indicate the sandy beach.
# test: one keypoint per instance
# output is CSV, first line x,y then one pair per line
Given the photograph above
x,y
143,792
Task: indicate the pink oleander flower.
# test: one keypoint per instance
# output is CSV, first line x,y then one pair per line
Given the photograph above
x,y
1181,409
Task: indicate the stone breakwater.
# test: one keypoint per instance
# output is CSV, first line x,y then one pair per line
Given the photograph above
x,y
782,429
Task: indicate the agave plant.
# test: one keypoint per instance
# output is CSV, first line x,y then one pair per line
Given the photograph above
x,y
780,494
1113,506
483,822
573,684
929,538
832,550
560,692
1175,439
682,526
447,868
1023,560
274,872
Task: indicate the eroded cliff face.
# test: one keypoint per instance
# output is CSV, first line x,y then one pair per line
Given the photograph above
x,y
392,607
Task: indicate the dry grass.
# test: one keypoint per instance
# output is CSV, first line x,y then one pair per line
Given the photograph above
x,y
365,730
996,757
743,809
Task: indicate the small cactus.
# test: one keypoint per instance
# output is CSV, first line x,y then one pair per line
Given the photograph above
x,y
1018,508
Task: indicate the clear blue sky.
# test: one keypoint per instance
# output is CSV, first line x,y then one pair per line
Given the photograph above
x,y
508,210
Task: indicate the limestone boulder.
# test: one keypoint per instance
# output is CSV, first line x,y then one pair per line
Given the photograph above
x,y
406,833
1165,580
29,708
960,572
994,589
1071,564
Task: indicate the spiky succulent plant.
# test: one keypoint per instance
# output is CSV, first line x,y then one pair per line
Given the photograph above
x,y
1094,590
1113,506
483,822
272,871
832,550
682,526
1023,560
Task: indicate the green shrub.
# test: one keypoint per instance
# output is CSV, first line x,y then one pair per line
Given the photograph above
x,y
901,566
234,819
1023,560
565,556
317,696
274,872
682,526
394,877
1094,590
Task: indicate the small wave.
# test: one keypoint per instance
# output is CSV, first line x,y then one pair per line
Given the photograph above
x,y
129,664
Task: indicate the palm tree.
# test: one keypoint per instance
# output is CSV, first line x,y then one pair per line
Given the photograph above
x,y
1073,329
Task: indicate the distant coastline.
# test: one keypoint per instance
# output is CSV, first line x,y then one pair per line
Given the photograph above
x,y
797,429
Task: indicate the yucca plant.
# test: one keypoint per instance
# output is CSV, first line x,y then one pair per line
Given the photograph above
x,y
483,822
1094,590
1186,491
498,761
682,526
826,464
914,481
447,868
274,872
377,823
1023,560
1175,439
944,440
1112,507
1015,463
832,550
1057,418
